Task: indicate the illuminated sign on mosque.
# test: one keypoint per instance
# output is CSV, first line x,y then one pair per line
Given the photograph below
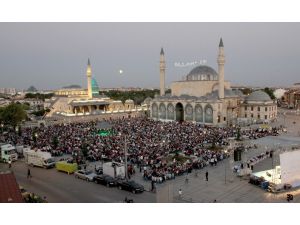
x,y
187,64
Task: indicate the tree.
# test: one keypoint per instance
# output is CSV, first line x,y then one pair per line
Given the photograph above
x,y
137,96
71,86
246,91
84,150
55,142
270,92
13,114
238,135
39,96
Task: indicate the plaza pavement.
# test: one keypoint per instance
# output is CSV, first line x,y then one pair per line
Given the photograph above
x,y
223,186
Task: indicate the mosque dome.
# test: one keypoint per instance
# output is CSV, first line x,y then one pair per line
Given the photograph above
x,y
202,73
95,88
258,96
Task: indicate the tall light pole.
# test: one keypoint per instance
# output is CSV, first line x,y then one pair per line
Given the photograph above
x,y
125,154
225,169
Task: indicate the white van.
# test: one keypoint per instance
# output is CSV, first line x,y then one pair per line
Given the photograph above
x,y
39,158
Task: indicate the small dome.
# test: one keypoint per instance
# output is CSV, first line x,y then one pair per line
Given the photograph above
x,y
202,73
129,101
147,101
258,96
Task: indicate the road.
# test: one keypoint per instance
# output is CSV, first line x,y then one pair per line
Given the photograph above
x,y
59,187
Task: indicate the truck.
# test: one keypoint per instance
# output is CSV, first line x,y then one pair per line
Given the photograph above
x,y
7,153
65,166
20,149
114,169
39,158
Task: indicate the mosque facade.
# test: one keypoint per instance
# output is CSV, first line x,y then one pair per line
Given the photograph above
x,y
80,102
204,97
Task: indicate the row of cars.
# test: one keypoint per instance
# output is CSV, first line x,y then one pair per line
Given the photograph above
x,y
109,181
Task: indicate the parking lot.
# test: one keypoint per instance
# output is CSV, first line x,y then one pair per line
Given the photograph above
x,y
61,187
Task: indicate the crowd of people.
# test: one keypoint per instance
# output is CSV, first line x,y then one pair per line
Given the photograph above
x,y
161,150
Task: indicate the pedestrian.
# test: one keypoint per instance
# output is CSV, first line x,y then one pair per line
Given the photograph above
x,y
186,179
180,193
9,163
28,174
152,185
206,175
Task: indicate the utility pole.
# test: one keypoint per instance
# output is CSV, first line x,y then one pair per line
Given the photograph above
x,y
125,154
225,163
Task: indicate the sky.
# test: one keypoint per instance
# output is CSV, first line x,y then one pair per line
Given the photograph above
x,y
53,55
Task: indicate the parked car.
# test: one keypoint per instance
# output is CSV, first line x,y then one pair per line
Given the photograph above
x,y
105,180
130,186
85,175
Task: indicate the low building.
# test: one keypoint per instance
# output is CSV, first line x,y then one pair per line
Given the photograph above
x,y
4,102
34,104
80,102
9,188
258,107
292,98
8,91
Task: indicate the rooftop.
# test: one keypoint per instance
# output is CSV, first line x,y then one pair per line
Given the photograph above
x,y
9,191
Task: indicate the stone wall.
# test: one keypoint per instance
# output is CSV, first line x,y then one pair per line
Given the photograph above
x,y
86,118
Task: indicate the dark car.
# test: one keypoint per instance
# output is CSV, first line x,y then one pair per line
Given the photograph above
x,y
105,180
130,186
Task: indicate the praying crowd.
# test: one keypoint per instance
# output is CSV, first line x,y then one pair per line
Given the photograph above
x,y
161,150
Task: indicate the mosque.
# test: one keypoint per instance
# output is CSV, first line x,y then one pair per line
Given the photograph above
x,y
81,102
204,97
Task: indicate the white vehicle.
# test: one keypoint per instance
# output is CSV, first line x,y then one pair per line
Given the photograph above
x,y
21,149
39,158
85,175
114,169
8,153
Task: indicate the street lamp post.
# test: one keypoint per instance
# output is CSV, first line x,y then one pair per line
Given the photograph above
x,y
225,169
35,137
125,156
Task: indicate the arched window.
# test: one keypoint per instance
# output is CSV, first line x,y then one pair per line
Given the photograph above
x,y
198,113
154,110
170,111
188,112
162,111
208,114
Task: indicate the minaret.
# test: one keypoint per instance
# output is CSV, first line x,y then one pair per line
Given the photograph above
x,y
89,79
162,67
221,62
